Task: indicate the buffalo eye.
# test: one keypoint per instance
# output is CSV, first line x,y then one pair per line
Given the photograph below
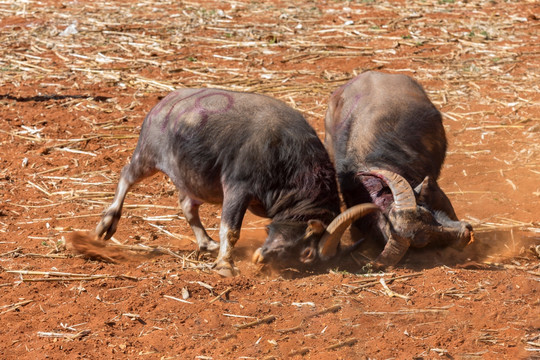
x,y
308,255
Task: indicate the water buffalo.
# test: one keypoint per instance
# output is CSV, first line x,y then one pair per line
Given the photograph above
x,y
244,151
388,144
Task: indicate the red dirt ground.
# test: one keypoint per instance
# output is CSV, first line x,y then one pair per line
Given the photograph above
x,y
72,102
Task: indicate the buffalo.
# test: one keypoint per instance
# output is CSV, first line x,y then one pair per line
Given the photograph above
x,y
244,151
388,144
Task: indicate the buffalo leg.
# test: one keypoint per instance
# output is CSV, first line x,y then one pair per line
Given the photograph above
x,y
131,174
190,208
232,215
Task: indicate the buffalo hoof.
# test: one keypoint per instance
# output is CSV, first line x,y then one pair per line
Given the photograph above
x,y
209,245
257,257
225,269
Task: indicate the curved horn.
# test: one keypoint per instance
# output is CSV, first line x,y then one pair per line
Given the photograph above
x,y
402,191
330,240
394,250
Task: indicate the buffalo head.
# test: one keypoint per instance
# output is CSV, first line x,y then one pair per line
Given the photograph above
x,y
293,243
415,217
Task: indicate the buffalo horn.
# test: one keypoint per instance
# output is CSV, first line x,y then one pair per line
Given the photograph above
x,y
330,240
402,191
394,250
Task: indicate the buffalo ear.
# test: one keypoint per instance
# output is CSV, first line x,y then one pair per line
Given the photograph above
x,y
422,185
429,193
315,227
424,190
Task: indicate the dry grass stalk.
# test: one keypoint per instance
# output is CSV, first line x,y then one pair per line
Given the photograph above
x,y
83,278
365,283
17,250
390,280
303,351
134,317
391,293
227,337
453,292
226,291
121,288
50,256
177,299
39,188
440,352
331,309
293,329
78,335
51,170
488,337
61,276
265,320
37,139
176,236
13,307
240,316
340,344
410,311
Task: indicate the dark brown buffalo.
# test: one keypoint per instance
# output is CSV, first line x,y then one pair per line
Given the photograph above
x,y
244,151
388,144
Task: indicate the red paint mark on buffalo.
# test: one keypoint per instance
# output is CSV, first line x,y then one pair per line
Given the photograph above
x,y
204,112
186,110
195,107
